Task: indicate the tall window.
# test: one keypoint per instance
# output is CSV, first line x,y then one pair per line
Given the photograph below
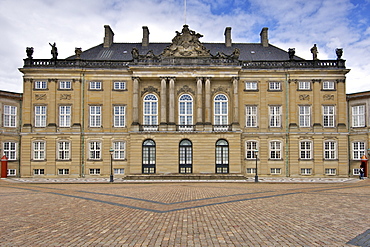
x,y
39,150
220,110
306,150
64,150
328,115
185,156
150,110
186,110
119,116
148,156
275,150
64,116
358,150
94,150
10,150
119,150
10,116
304,116
250,149
329,150
40,116
358,116
275,116
222,156
251,116
95,116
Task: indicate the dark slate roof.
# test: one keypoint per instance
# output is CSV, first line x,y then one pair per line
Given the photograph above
x,y
248,51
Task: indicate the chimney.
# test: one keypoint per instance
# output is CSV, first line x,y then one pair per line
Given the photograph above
x,y
228,41
108,38
145,41
264,37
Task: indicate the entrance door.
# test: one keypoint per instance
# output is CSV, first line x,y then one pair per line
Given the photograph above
x,y
186,157
222,156
148,156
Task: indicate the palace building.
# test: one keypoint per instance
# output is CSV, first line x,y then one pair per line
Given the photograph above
x,y
185,108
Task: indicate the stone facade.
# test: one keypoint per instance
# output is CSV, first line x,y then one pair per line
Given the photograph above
x,y
184,107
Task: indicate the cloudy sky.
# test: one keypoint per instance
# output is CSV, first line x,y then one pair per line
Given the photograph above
x,y
80,23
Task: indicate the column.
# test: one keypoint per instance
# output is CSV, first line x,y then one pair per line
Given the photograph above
x,y
235,123
163,104
135,104
171,120
199,104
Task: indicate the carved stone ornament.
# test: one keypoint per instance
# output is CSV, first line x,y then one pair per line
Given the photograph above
x,y
185,89
150,89
65,96
220,90
328,97
304,97
40,96
186,44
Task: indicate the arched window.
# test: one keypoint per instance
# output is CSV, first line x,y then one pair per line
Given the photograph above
x,y
150,110
148,156
220,110
222,156
185,110
185,156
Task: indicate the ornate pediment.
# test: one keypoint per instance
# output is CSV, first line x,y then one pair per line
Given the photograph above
x,y
186,44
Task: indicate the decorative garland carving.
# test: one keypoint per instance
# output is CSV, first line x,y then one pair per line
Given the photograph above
x,y
220,89
65,96
328,97
150,89
40,96
186,89
304,97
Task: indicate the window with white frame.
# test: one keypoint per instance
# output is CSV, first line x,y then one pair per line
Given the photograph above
x,y
10,116
10,150
275,150
94,171
251,85
150,110
220,110
40,116
38,171
304,85
119,150
40,84
275,170
358,150
358,116
304,116
328,85
95,116
119,116
119,171
12,172
65,85
306,171
64,150
251,170
95,150
330,150
356,171
185,110
330,171
275,116
65,116
119,85
250,149
305,150
95,85
328,115
39,150
63,171
274,85
251,116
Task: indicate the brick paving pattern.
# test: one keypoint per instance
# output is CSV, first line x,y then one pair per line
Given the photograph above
x,y
184,214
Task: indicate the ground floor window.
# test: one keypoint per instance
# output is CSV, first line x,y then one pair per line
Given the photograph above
x,y
185,156
38,171
275,170
95,171
119,170
330,171
148,156
306,171
63,171
12,172
251,170
356,171
222,156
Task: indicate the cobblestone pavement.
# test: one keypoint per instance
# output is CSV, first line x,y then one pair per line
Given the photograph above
x,y
185,214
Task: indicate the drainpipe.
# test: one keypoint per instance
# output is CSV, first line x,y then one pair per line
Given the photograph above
x,y
82,171
287,168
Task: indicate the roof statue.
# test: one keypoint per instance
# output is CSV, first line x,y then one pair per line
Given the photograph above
x,y
186,44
